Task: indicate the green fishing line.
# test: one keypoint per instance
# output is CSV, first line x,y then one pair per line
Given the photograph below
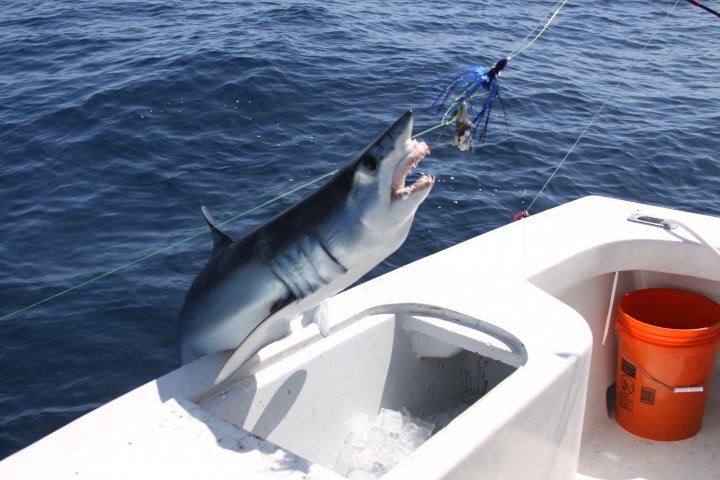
x,y
165,249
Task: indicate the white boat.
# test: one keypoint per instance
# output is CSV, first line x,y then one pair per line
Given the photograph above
x,y
512,321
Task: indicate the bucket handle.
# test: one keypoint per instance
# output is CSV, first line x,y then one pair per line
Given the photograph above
x,y
697,389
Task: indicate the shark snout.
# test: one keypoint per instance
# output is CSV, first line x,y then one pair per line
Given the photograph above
x,y
401,130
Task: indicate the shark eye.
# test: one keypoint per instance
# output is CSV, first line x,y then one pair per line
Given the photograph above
x,y
369,162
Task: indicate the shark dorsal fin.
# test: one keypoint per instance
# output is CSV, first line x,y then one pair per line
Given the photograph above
x,y
219,237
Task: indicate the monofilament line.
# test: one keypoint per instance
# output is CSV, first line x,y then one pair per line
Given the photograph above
x,y
165,249
440,125
602,106
523,45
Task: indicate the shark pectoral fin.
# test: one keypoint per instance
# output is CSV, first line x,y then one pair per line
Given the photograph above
x,y
320,315
219,237
269,331
241,355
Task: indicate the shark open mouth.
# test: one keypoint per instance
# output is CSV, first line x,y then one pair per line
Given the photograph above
x,y
417,152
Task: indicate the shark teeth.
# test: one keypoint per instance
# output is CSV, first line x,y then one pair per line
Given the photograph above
x,y
399,189
424,182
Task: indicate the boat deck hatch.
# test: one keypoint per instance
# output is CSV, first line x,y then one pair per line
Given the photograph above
x,y
422,363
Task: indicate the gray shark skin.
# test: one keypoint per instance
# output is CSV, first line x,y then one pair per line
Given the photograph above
x,y
250,289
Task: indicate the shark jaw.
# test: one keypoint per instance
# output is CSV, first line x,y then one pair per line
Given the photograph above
x,y
415,151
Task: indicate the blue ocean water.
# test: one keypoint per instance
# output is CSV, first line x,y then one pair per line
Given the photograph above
x,y
119,119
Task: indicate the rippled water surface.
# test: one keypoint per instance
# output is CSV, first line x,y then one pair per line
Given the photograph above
x,y
119,119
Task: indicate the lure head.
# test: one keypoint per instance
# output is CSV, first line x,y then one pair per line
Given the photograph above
x,y
497,68
379,195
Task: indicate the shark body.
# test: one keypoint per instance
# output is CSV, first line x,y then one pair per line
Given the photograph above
x,y
250,289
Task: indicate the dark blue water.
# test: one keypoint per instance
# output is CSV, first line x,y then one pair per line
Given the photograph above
x,y
119,119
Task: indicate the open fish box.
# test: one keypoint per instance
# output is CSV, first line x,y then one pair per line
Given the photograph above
x,y
366,396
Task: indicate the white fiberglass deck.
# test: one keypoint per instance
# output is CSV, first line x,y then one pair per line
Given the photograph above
x,y
546,280
612,453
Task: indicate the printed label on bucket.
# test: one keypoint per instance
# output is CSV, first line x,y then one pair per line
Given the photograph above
x,y
625,391
628,368
647,395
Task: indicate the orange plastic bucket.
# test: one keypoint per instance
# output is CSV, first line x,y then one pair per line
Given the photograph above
x,y
667,341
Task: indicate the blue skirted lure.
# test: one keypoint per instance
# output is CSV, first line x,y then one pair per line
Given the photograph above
x,y
469,90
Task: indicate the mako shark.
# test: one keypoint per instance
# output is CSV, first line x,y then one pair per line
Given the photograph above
x,y
252,287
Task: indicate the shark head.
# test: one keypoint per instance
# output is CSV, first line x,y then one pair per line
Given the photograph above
x,y
379,177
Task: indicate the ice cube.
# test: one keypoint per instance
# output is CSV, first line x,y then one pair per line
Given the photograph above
x,y
374,446
414,434
390,420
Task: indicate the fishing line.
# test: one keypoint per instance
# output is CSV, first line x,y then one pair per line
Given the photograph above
x,y
526,212
522,48
167,248
442,124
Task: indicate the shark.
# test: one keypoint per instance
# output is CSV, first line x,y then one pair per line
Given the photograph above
x,y
252,287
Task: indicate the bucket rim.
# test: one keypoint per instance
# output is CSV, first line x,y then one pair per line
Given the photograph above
x,y
670,336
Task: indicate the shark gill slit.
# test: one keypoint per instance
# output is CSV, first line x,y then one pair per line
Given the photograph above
x,y
330,255
307,270
279,273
